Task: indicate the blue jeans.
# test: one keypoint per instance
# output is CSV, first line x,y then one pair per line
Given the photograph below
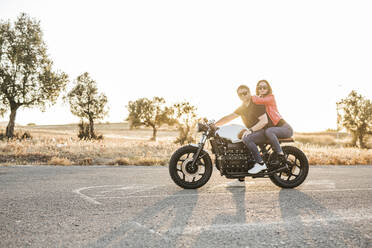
x,y
251,142
273,133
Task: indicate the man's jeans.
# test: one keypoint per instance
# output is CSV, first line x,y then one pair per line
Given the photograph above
x,y
275,133
251,142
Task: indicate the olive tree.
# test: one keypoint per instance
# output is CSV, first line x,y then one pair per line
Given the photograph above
x,y
86,103
26,76
150,113
355,114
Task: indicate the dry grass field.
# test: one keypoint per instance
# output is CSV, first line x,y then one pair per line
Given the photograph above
x,y
59,145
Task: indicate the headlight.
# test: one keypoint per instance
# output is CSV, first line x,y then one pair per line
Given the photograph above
x,y
201,127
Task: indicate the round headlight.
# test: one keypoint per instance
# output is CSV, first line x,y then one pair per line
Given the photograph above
x,y
201,127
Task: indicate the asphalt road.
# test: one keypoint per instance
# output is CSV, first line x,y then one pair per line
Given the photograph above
x,y
97,206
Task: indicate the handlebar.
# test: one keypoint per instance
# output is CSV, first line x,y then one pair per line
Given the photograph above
x,y
207,126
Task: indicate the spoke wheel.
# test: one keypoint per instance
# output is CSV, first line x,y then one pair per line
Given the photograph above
x,y
186,175
297,169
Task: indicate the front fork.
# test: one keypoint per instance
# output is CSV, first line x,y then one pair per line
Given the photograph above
x,y
200,148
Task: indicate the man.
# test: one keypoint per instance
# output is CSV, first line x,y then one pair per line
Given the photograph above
x,y
255,119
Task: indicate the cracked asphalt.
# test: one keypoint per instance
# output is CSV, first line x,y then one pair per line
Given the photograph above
x,y
138,206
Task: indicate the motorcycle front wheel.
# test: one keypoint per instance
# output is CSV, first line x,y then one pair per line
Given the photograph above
x,y
184,174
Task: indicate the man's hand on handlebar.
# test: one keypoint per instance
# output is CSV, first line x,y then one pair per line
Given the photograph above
x,y
244,133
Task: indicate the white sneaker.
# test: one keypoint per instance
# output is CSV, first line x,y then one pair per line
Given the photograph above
x,y
236,183
257,168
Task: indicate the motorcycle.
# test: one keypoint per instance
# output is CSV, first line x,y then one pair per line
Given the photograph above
x,y
191,166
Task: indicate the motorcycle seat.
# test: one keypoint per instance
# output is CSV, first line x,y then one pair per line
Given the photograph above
x,y
240,143
286,140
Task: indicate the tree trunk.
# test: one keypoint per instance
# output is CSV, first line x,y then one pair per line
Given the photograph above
x,y
154,130
354,139
91,129
361,143
10,127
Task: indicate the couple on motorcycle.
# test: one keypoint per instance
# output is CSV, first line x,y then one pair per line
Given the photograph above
x,y
260,115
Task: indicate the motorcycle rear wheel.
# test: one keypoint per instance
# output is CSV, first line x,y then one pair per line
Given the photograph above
x,y
298,169
182,172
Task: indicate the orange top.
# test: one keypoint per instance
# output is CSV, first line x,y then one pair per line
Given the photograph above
x,y
270,105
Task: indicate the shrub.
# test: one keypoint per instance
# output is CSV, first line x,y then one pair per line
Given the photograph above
x,y
59,161
26,135
120,161
185,136
84,132
17,136
86,161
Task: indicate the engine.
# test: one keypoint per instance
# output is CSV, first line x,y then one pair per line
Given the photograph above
x,y
232,158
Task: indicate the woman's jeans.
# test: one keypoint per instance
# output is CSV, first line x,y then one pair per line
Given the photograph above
x,y
275,133
270,134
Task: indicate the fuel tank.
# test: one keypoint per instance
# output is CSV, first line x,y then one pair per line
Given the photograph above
x,y
230,132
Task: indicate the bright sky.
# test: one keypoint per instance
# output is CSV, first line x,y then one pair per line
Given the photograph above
x,y
312,52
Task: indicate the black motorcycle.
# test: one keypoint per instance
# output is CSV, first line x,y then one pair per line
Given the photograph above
x,y
190,166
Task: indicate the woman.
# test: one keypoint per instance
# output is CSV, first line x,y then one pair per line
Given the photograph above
x,y
278,128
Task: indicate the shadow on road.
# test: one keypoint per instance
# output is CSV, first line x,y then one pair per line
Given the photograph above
x,y
304,222
238,195
169,213
307,222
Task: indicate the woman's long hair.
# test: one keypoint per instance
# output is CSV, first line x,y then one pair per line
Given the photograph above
x,y
270,91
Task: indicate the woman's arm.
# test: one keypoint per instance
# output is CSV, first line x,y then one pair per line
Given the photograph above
x,y
263,120
263,100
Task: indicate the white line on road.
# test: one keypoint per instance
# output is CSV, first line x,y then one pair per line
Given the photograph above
x,y
140,188
91,199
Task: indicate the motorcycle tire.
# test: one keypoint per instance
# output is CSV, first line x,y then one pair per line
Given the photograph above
x,y
303,167
178,175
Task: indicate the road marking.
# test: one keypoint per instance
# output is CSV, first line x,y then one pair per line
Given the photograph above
x,y
122,188
216,228
91,199
140,188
